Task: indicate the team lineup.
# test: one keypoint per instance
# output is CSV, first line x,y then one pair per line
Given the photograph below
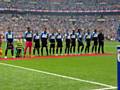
x,y
39,41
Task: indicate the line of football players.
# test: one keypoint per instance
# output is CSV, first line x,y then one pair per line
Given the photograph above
x,y
76,39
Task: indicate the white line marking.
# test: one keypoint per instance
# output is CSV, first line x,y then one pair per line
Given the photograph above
x,y
58,75
107,88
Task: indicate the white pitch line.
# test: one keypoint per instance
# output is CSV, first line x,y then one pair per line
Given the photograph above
x,y
106,88
58,75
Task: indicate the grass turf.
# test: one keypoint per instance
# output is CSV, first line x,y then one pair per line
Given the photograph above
x,y
99,69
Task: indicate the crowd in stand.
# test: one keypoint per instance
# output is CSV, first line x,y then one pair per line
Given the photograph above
x,y
62,4
18,23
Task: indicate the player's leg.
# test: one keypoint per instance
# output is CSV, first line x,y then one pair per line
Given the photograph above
x,y
42,51
25,50
86,47
6,50
34,51
78,48
50,49
82,48
99,47
71,48
16,52
102,47
20,52
53,50
66,49
38,51
60,50
12,52
47,50
93,48
57,50
74,49
30,48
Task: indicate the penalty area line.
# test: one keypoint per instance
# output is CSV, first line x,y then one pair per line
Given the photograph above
x,y
58,75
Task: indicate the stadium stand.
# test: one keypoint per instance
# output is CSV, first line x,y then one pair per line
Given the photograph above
x,y
18,22
62,4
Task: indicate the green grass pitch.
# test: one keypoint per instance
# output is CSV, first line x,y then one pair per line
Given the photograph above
x,y
69,73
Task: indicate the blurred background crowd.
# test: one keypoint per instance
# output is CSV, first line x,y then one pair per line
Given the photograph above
x,y
62,4
19,22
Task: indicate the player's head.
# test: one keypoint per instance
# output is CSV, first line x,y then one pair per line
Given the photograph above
x,y
45,29
59,31
28,29
79,30
88,31
95,30
9,31
73,30
37,33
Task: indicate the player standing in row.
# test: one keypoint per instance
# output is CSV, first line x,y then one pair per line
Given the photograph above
x,y
28,38
52,38
73,42
59,40
101,42
67,41
44,38
36,39
80,41
88,41
9,39
95,41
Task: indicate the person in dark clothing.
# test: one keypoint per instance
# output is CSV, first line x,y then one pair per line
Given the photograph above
x,y
95,41
44,38
80,41
52,43
67,41
101,42
59,41
88,41
36,40
73,42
